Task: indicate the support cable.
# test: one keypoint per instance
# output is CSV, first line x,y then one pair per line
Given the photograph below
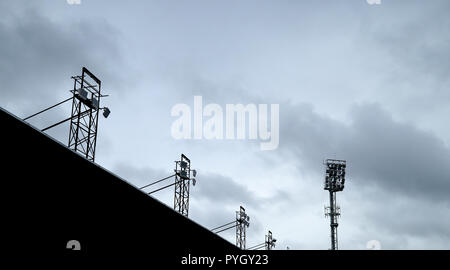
x,y
65,120
33,115
229,223
226,229
257,246
158,181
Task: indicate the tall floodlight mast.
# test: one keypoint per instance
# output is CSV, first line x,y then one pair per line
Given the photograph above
x,y
334,182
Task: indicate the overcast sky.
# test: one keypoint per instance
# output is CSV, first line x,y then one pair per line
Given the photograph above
x,y
365,83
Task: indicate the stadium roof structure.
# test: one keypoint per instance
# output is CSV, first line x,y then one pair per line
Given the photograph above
x,y
55,195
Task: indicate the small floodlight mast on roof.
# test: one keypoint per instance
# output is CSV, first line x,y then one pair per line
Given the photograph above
x,y
334,182
242,221
270,241
182,177
85,110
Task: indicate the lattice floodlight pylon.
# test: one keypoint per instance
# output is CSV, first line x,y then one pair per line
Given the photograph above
x,y
242,222
182,177
270,241
85,110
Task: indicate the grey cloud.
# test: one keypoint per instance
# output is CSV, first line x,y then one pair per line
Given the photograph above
x,y
397,220
414,50
397,156
400,172
419,41
214,199
221,189
38,56
215,188
222,194
139,176
261,53
408,218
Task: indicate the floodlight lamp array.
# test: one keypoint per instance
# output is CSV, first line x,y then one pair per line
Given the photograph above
x,y
335,175
243,217
185,170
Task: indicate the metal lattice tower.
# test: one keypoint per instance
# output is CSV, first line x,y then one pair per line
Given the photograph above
x,y
334,182
333,212
182,177
270,241
242,221
85,111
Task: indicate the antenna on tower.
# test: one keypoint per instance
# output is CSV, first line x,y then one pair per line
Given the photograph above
x,y
334,182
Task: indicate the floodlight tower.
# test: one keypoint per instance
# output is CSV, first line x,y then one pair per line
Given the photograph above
x,y
242,221
270,241
334,182
85,110
182,177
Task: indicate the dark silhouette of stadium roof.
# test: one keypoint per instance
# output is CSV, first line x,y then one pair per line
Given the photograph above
x,y
55,195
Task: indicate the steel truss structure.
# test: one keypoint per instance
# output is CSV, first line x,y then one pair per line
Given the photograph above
x,y
242,221
85,110
182,184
